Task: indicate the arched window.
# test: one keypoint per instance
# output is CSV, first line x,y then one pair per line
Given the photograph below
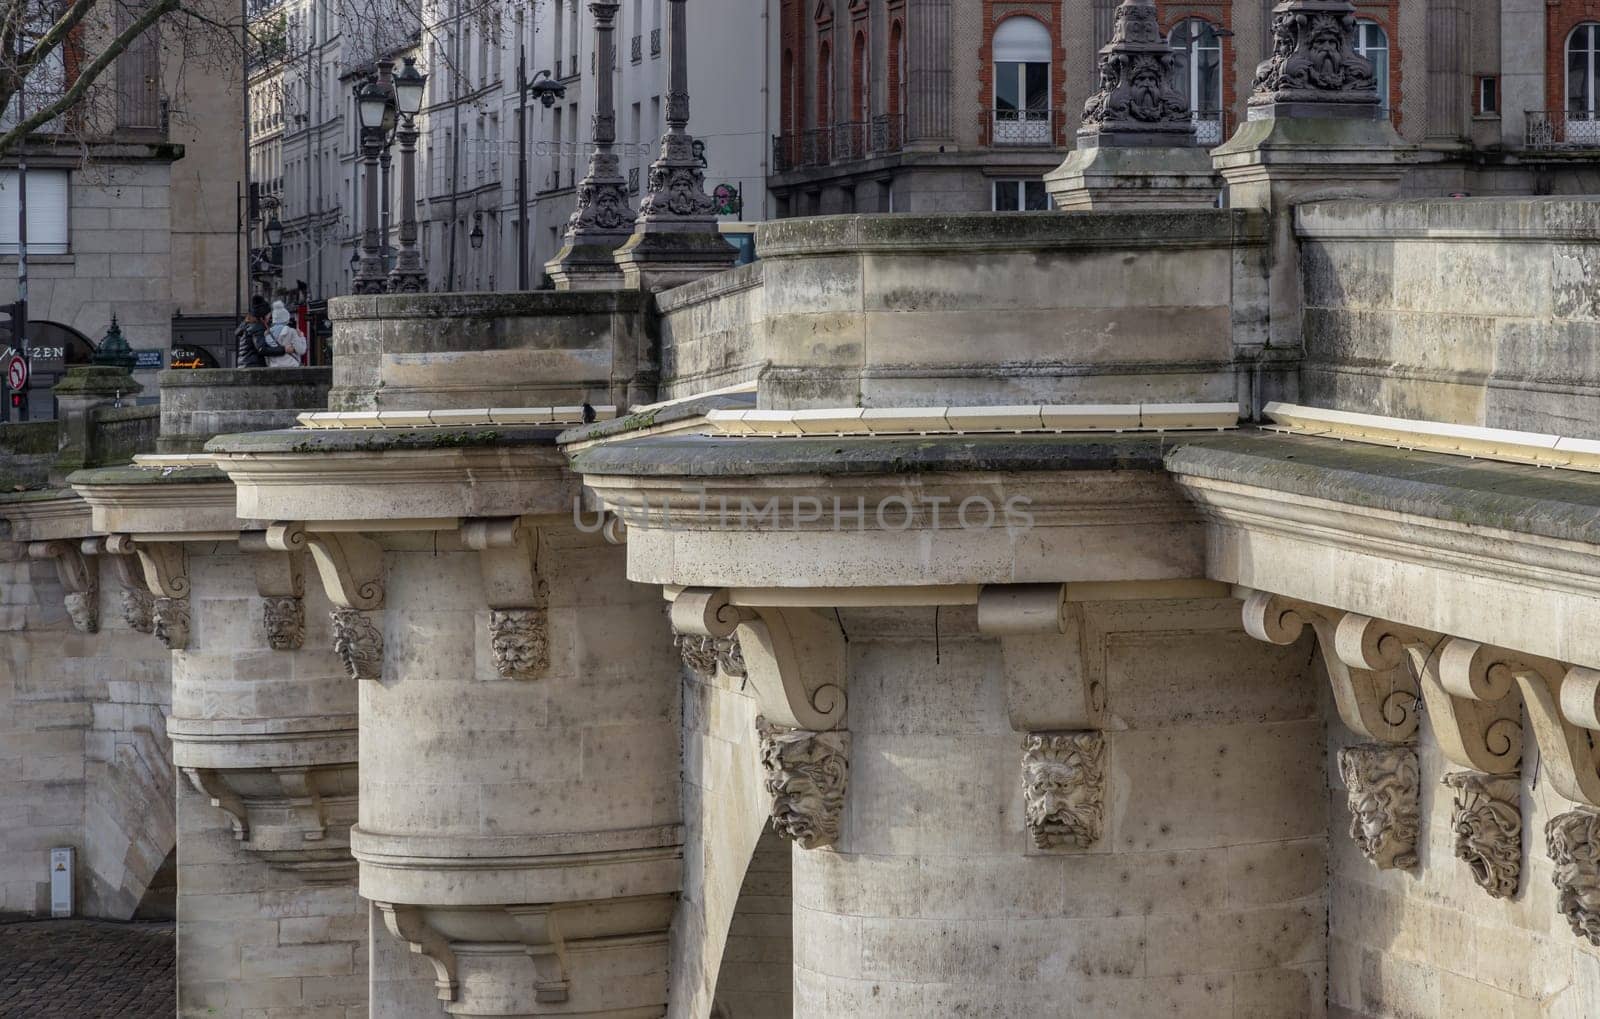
x,y
1199,54
1022,48
1372,42
1583,63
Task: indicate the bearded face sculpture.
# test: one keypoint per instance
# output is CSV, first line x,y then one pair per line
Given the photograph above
x,y
172,622
284,619
520,642
1384,782
806,774
1063,788
1573,840
358,644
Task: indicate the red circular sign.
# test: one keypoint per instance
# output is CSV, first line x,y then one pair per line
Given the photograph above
x,y
17,373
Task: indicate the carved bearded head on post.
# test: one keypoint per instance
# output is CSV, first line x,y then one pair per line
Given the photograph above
x,y
806,773
1384,783
1573,840
1063,788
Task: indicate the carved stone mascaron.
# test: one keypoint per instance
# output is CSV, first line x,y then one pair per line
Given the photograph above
x,y
1486,820
1573,841
806,775
358,643
1314,67
1138,101
1384,783
1063,788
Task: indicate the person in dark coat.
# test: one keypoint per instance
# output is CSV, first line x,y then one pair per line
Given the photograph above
x,y
254,345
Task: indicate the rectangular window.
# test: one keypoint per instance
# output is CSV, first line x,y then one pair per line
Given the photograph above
x,y
48,208
1488,94
1020,196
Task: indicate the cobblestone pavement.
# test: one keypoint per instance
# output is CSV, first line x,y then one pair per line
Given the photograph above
x,y
86,969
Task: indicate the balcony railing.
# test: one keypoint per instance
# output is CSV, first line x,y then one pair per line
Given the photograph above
x,y
1023,128
1549,130
638,48
841,143
1211,127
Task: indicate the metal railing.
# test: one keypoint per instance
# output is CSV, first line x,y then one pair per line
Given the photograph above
x,y
1023,128
1211,127
1547,130
841,143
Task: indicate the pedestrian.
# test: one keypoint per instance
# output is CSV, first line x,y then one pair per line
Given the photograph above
x,y
254,347
284,334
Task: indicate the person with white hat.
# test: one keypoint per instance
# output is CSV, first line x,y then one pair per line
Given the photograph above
x,y
285,335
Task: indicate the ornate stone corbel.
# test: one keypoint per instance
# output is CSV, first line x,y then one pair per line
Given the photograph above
x,y
1476,711
138,605
358,643
519,624
1573,841
351,568
80,579
1384,783
1379,705
1050,684
794,657
806,776
408,924
280,581
1486,820
543,941
212,786
1063,788
166,573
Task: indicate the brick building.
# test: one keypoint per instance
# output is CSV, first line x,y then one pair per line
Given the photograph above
x,y
925,105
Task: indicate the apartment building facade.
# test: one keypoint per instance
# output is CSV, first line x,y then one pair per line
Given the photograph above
x,y
923,105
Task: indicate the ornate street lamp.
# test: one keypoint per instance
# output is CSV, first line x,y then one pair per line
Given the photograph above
x,y
371,102
408,275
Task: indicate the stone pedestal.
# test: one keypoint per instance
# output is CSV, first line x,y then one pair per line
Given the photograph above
x,y
1096,178
1277,162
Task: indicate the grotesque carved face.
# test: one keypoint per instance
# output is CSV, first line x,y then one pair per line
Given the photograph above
x,y
358,644
1486,820
84,610
172,622
1383,783
1064,788
284,620
806,774
1573,840
520,642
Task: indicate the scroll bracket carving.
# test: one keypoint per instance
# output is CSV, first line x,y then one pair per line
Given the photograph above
x,y
1379,705
793,657
212,786
408,924
1050,685
350,565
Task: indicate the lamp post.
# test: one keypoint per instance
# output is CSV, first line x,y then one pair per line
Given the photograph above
x,y
385,192
371,101
408,275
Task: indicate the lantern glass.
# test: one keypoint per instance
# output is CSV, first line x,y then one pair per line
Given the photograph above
x,y
409,85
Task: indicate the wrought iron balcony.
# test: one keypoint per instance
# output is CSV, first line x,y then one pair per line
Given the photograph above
x,y
1023,128
1554,130
841,143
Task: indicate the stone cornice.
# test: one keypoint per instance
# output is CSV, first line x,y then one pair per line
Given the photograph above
x,y
45,515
